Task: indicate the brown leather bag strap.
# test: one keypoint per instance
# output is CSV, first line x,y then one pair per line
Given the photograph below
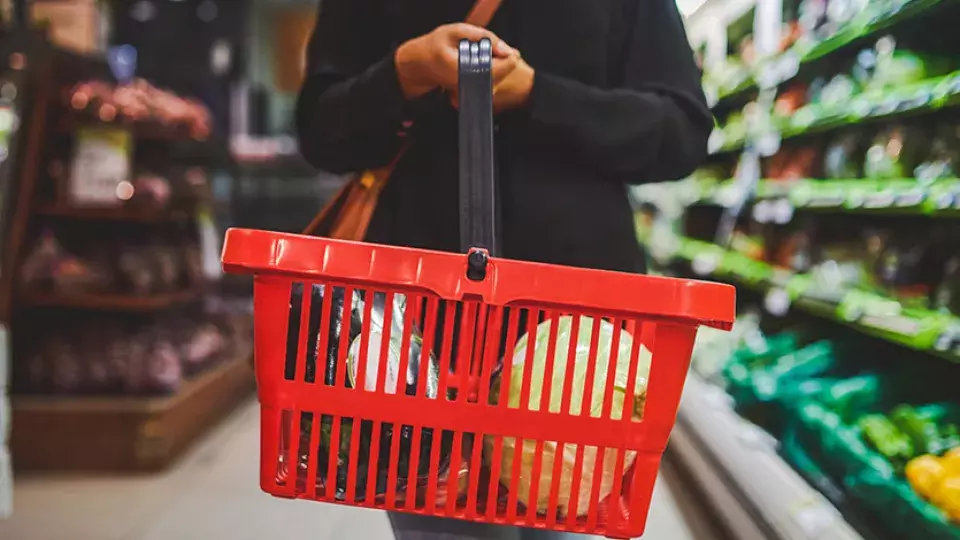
x,y
483,12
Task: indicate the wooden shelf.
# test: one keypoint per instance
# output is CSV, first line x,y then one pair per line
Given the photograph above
x,y
111,302
148,130
117,433
125,214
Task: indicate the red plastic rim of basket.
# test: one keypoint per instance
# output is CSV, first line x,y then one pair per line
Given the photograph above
x,y
651,297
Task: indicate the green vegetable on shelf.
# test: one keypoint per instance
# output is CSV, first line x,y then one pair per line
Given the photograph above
x,y
886,438
921,429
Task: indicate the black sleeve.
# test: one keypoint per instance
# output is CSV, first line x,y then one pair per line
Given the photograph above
x,y
654,125
351,110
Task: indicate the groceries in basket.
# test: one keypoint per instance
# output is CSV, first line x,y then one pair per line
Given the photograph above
x,y
626,397
346,314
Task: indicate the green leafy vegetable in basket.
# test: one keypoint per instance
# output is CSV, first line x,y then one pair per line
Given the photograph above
x,y
550,385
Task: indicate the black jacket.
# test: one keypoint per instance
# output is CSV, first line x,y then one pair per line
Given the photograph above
x,y
616,100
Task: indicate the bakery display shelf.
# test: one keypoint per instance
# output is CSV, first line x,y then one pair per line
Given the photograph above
x,y
121,433
757,495
120,214
110,301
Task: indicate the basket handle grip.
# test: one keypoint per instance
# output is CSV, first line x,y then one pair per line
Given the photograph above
x,y
477,186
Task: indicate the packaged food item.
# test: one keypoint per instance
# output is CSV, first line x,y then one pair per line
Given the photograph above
x,y
66,370
541,383
137,270
893,154
200,347
153,367
887,439
942,163
840,159
167,266
349,319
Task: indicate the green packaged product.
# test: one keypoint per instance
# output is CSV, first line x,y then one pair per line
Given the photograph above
x,y
884,436
920,428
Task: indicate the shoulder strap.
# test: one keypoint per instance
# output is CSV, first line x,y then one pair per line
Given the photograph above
x,y
483,12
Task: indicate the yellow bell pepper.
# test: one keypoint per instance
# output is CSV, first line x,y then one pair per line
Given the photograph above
x,y
925,475
947,497
951,462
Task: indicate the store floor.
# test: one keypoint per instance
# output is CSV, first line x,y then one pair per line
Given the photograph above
x,y
212,494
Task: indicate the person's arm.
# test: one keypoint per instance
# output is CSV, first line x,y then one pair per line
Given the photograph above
x,y
351,109
652,126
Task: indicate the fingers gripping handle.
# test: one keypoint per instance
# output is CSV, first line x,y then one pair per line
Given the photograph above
x,y
477,190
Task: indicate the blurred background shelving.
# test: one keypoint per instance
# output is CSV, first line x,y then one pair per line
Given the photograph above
x,y
830,199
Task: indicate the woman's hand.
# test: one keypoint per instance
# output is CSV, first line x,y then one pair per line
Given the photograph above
x,y
513,91
432,61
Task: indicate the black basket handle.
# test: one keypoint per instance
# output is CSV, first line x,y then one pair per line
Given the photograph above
x,y
477,189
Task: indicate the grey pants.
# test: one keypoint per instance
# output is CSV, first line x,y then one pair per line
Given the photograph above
x,y
408,527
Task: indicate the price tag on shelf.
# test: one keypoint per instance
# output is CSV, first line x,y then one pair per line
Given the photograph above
x,y
860,106
706,263
712,95
954,87
101,163
769,143
911,197
803,118
887,106
789,66
763,212
882,199
814,518
777,302
716,141
945,341
921,99
783,211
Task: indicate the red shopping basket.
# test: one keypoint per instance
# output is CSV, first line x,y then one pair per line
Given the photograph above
x,y
465,385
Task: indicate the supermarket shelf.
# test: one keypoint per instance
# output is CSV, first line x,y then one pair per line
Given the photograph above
x,y
112,302
928,96
115,433
925,96
784,67
855,34
919,329
889,196
122,214
143,130
755,492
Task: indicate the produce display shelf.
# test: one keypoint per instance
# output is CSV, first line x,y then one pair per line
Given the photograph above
x,y
112,302
757,495
924,97
117,433
804,54
889,196
857,33
919,329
